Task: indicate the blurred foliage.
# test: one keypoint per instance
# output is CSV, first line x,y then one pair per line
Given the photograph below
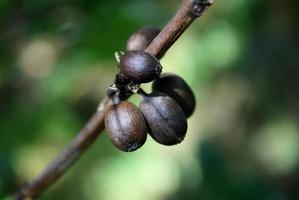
x,y
241,59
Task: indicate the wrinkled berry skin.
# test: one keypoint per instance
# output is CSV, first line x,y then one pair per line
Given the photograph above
x,y
139,66
175,87
126,126
166,121
139,40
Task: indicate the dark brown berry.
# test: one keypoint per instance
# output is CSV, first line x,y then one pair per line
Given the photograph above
x,y
139,66
175,87
166,121
142,38
126,126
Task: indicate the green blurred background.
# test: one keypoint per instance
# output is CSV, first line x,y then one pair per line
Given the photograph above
x,y
241,58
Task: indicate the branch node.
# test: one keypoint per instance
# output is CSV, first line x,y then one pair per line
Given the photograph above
x,y
123,87
197,7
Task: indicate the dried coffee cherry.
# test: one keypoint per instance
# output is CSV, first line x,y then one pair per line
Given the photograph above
x,y
175,87
126,126
139,66
142,38
166,121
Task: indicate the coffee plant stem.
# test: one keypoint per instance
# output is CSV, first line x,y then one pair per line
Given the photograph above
x,y
187,12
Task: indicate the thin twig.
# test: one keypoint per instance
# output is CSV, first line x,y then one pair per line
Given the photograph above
x,y
188,11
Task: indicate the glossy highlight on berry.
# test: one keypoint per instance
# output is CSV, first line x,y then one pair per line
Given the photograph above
x,y
139,40
139,66
166,120
126,126
177,88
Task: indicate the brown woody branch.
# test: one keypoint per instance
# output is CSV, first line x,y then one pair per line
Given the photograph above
x,y
188,11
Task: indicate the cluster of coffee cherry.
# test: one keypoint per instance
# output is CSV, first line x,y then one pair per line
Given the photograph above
x,y
162,113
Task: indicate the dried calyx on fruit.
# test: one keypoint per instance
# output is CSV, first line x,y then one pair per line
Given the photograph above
x,y
139,66
175,87
163,113
142,38
126,126
165,119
